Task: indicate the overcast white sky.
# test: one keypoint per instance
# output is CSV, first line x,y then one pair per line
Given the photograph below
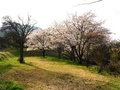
x,y
46,11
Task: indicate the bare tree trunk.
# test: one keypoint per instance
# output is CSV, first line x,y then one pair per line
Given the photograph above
x,y
88,56
101,68
102,63
43,52
80,59
72,54
60,52
87,62
79,56
21,59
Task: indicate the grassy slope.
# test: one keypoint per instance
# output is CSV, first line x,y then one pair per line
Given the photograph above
x,y
52,74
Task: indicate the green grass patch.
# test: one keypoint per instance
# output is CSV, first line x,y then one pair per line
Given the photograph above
x,y
10,85
113,84
58,60
11,63
51,73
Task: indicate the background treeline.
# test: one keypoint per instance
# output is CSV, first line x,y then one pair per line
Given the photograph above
x,y
81,39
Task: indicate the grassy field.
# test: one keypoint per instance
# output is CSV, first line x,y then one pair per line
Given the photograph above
x,y
51,74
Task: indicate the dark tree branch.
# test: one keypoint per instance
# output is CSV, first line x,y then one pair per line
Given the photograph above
x,y
89,3
18,31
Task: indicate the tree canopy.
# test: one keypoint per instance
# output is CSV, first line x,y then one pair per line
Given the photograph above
x,y
17,31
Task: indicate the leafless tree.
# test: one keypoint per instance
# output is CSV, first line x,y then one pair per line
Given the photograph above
x,y
18,31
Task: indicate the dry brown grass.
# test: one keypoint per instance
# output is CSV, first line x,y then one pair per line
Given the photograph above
x,y
41,74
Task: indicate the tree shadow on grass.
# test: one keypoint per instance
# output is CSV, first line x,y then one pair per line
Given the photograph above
x,y
55,80
42,79
62,61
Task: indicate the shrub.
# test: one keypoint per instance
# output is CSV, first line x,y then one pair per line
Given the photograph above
x,y
10,85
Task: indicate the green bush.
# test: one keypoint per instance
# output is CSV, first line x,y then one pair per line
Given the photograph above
x,y
9,85
114,65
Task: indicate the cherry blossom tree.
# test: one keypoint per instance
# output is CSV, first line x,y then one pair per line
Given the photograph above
x,y
87,31
80,34
39,40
